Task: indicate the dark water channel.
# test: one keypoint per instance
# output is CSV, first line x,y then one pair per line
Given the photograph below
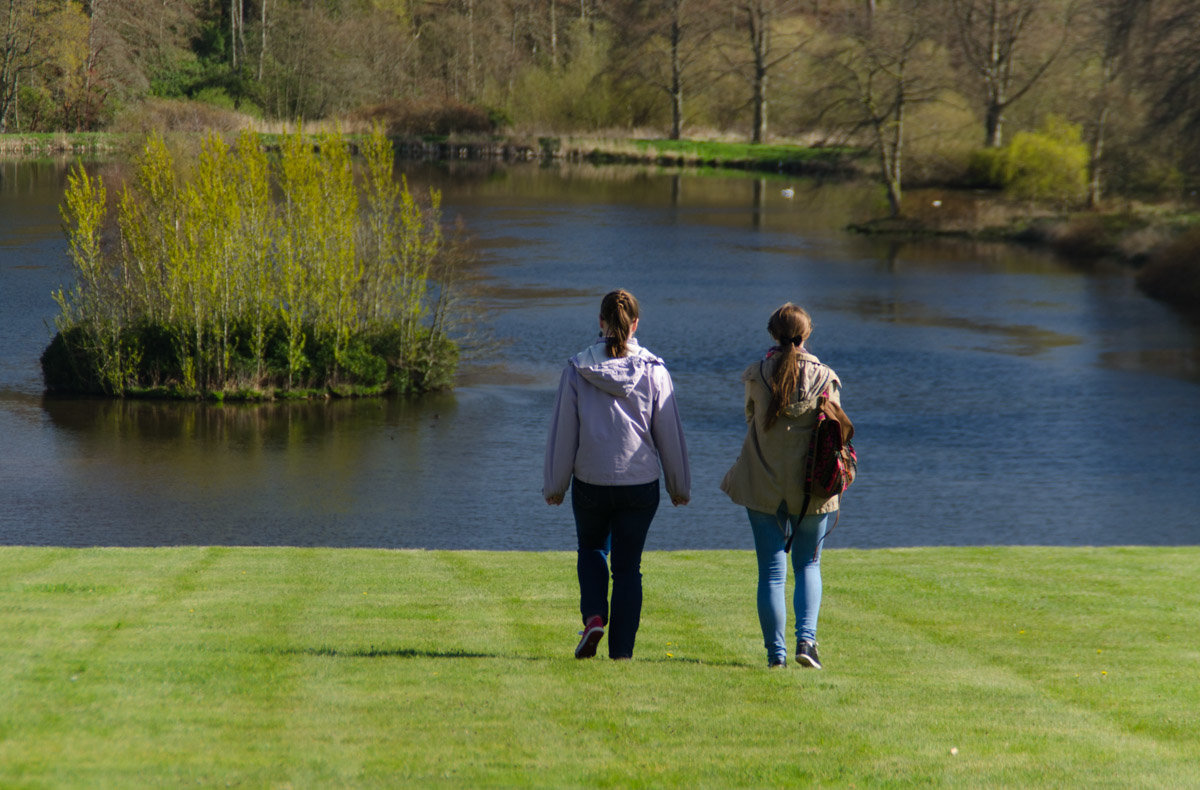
x,y
1000,396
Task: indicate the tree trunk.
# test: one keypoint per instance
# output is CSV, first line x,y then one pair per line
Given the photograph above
x,y
553,35
471,88
760,106
994,123
262,50
758,19
10,52
895,178
676,78
1095,187
233,4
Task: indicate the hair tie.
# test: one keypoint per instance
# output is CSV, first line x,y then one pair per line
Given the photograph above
x,y
798,340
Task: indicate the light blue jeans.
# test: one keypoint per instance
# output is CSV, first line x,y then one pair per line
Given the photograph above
x,y
769,540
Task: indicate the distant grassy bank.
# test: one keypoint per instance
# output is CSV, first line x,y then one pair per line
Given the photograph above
x,y
735,155
948,667
25,146
781,158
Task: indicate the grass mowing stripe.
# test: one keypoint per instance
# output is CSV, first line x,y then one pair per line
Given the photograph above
x,y
1059,632
1005,703
271,667
1034,657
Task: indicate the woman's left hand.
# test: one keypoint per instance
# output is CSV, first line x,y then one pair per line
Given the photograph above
x,y
678,499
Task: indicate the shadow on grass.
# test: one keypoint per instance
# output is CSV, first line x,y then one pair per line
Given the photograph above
x,y
408,652
389,652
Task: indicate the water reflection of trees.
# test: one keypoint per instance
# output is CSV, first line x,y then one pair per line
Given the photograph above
x,y
290,461
279,423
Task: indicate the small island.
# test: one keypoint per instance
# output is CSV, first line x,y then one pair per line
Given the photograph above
x,y
234,274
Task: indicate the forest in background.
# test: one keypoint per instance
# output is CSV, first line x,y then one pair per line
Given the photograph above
x,y
925,84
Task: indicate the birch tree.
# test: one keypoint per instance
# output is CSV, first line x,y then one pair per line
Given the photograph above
x,y
665,46
884,71
760,23
998,42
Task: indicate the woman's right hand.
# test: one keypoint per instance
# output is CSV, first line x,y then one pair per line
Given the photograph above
x,y
679,500
556,499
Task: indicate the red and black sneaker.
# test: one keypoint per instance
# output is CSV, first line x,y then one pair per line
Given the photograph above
x,y
589,637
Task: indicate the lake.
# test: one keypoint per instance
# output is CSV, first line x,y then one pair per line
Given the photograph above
x,y
1000,396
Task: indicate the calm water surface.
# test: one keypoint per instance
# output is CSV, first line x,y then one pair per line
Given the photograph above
x,y
1000,396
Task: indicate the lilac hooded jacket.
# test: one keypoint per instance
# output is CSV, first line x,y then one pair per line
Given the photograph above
x,y
614,422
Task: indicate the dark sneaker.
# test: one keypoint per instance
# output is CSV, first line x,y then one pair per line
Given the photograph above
x,y
806,654
777,663
590,637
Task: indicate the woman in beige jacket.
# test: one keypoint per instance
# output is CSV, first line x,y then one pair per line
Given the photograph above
x,y
768,480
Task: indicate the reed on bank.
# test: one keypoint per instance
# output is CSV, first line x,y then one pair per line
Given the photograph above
x,y
238,274
944,667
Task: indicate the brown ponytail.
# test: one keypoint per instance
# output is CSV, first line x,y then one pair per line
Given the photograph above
x,y
618,311
790,325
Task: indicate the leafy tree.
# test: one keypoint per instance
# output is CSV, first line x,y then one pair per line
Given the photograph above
x,y
21,23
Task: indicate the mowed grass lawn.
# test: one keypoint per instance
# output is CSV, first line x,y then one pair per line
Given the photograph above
x,y
284,667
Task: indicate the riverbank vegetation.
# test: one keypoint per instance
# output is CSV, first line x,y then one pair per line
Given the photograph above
x,y
1056,106
232,273
944,667
922,83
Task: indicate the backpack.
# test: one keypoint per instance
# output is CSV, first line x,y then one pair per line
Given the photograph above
x,y
832,464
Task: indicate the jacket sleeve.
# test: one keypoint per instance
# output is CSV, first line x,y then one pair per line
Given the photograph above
x,y
834,387
563,440
748,381
667,431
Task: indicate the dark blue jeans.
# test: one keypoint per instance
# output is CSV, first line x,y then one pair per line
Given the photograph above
x,y
616,516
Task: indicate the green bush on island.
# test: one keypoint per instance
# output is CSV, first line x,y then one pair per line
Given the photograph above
x,y
243,275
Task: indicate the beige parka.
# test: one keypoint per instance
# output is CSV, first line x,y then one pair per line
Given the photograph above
x,y
769,469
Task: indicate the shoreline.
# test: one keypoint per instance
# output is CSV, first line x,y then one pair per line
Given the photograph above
x,y
1159,242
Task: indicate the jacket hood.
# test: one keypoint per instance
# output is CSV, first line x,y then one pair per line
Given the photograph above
x,y
616,376
815,380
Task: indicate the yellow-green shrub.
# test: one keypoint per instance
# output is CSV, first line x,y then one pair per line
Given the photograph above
x,y
1050,164
252,274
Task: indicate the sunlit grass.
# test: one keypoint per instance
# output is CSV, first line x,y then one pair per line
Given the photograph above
x,y
314,668
715,153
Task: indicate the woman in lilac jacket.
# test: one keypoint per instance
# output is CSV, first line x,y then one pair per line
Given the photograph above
x,y
615,423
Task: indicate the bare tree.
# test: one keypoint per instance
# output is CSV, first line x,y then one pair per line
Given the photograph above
x,y
664,46
1171,76
882,75
991,35
1113,26
759,21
